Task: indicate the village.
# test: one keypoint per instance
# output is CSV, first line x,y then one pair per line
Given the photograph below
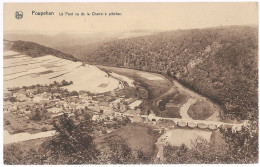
x,y
42,104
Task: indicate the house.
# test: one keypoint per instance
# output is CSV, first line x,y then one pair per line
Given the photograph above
x,y
130,100
55,110
37,98
30,92
116,104
46,96
103,103
22,91
134,112
55,116
80,106
24,109
85,96
136,118
43,96
72,106
135,104
123,107
21,97
59,104
7,94
96,118
7,106
56,95
27,112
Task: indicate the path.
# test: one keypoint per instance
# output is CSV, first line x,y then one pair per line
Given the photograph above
x,y
185,107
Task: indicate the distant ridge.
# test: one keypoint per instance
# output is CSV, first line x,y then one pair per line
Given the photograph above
x,y
36,50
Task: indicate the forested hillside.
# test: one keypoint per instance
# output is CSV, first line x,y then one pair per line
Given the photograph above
x,y
220,63
36,50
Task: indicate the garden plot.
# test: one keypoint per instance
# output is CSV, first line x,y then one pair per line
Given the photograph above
x,y
15,60
89,78
18,75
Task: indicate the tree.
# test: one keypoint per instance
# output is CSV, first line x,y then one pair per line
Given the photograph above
x,y
38,114
235,147
64,83
73,142
120,152
243,144
74,93
13,155
12,99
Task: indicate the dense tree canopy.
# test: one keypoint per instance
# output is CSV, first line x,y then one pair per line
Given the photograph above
x,y
220,63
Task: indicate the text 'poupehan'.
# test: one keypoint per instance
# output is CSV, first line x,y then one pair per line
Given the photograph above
x,y
42,13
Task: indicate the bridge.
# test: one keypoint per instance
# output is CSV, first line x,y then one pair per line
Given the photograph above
x,y
201,124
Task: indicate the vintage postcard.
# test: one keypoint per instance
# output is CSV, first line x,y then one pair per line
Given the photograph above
x,y
130,83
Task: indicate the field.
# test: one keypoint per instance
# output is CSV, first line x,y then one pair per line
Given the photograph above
x,y
16,124
21,70
177,136
171,112
200,110
138,136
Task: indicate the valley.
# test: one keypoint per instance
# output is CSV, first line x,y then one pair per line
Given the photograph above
x,y
124,101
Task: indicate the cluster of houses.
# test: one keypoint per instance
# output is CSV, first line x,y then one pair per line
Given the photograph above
x,y
102,107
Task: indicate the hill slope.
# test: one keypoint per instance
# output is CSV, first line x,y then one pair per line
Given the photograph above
x,y
35,50
28,63
220,63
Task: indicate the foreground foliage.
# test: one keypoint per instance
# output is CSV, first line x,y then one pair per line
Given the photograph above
x,y
73,144
238,147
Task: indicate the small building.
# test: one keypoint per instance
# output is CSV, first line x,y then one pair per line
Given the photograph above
x,y
55,110
103,103
136,118
135,104
7,94
123,107
134,112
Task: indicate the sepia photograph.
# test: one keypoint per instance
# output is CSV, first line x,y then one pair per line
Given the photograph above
x,y
130,83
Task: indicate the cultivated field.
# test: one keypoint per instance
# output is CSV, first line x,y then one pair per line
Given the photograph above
x,y
21,70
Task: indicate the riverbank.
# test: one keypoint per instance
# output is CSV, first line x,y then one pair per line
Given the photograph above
x,y
159,87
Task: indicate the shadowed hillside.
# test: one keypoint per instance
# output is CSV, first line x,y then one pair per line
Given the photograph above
x,y
220,63
35,50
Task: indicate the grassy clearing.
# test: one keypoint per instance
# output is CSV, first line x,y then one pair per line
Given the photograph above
x,y
137,135
200,110
17,124
154,87
171,112
179,99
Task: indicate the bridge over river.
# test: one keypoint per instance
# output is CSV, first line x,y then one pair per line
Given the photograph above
x,y
201,124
